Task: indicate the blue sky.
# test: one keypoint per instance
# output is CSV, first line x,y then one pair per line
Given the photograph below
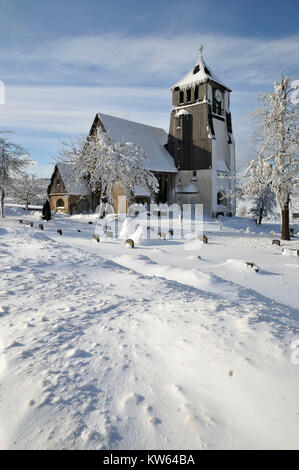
x,y
63,61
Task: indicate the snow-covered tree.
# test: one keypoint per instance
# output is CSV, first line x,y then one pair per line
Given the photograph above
x,y
278,139
13,160
105,164
27,189
257,187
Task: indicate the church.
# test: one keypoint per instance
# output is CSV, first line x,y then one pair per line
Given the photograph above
x,y
194,163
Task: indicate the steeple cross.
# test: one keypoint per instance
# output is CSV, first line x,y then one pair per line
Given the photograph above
x,y
201,49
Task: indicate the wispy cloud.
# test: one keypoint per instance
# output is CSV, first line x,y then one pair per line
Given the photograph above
x,y
122,59
57,87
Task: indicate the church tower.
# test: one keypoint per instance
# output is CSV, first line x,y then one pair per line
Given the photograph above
x,y
201,141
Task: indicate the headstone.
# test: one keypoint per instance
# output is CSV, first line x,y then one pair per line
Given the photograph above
x,y
276,242
20,221
78,230
96,238
251,265
59,231
171,232
29,224
162,235
202,238
129,243
41,226
90,223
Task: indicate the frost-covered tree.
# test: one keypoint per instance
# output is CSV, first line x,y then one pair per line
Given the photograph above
x,y
278,139
257,187
105,164
13,160
27,189
264,204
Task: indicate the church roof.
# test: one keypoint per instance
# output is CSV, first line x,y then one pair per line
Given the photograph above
x,y
200,73
74,185
151,139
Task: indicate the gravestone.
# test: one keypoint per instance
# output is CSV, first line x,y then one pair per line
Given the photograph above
x,y
130,243
59,231
96,238
41,226
202,238
276,242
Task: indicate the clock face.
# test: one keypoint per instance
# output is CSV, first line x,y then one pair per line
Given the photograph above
x,y
218,95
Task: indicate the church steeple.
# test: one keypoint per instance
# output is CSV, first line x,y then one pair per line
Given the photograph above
x,y
200,73
200,137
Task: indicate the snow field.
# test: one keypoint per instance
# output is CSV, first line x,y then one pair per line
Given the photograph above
x,y
107,348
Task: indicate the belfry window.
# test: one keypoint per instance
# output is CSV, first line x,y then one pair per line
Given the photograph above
x,y
188,95
218,102
181,97
196,93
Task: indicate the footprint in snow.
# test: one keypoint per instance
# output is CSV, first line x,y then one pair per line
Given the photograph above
x,y
14,344
152,419
155,421
77,353
4,310
131,401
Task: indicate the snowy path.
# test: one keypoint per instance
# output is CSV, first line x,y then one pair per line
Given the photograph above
x,y
101,347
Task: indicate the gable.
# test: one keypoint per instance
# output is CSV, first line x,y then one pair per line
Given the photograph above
x,y
56,185
65,181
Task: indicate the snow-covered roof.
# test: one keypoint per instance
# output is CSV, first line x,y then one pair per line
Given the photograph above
x,y
190,189
141,190
200,73
74,185
150,139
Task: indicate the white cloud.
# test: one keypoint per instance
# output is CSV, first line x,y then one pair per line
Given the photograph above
x,y
72,109
130,78
123,59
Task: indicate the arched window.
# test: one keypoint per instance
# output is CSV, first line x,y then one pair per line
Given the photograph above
x,y
60,204
221,198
